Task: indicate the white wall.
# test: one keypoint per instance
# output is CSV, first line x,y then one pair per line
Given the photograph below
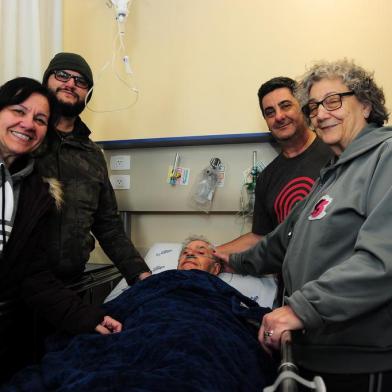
x,y
198,64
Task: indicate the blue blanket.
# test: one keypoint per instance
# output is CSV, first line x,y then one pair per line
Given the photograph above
x,y
183,331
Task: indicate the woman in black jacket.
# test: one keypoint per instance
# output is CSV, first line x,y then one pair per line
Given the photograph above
x,y
25,201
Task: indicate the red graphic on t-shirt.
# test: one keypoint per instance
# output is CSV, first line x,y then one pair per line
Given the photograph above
x,y
293,192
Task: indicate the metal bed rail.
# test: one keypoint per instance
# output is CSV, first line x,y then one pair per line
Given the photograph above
x,y
288,377
94,277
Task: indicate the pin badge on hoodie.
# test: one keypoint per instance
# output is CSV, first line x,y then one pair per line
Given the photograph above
x,y
320,208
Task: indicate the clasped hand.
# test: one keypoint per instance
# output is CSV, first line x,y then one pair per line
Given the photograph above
x,y
274,324
108,325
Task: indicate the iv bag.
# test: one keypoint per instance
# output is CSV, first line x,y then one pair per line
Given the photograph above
x,y
204,189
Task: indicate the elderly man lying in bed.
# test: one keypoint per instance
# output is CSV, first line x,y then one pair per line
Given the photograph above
x,y
183,330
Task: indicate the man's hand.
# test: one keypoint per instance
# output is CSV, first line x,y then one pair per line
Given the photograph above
x,y
274,324
144,275
108,325
224,257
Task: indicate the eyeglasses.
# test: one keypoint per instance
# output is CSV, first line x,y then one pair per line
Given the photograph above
x,y
332,102
64,76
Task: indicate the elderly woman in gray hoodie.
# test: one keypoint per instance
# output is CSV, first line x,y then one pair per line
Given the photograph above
x,y
335,249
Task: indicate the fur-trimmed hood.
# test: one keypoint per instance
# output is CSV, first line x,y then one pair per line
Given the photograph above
x,y
55,190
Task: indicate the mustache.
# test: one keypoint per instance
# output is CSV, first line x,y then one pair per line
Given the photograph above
x,y
71,91
187,257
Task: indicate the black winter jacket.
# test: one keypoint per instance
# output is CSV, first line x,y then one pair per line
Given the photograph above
x,y
25,278
89,207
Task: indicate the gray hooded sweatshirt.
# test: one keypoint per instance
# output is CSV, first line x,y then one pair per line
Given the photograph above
x,y
9,195
335,253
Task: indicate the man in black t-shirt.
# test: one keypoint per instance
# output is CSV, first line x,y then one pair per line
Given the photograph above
x,y
290,176
283,183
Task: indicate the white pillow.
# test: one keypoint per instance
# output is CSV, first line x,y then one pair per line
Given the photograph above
x,y
164,256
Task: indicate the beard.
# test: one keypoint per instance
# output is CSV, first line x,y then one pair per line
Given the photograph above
x,y
67,109
70,109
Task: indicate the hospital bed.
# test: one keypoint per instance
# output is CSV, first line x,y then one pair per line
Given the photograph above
x,y
166,344
164,256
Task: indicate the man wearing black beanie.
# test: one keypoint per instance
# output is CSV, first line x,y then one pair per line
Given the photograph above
x,y
90,205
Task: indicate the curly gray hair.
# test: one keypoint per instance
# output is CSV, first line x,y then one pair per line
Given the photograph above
x,y
357,79
195,237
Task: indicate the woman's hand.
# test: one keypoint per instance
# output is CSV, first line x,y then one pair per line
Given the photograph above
x,y
144,275
274,324
108,325
224,258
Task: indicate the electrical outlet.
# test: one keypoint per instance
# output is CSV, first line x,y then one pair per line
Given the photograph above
x,y
120,162
121,181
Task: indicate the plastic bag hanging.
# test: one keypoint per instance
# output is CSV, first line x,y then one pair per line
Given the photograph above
x,y
205,186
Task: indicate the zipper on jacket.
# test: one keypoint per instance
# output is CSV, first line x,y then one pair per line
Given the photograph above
x,y
60,232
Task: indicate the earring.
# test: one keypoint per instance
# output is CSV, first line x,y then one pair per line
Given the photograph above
x,y
366,111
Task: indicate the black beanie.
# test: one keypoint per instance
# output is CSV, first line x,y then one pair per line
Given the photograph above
x,y
71,61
